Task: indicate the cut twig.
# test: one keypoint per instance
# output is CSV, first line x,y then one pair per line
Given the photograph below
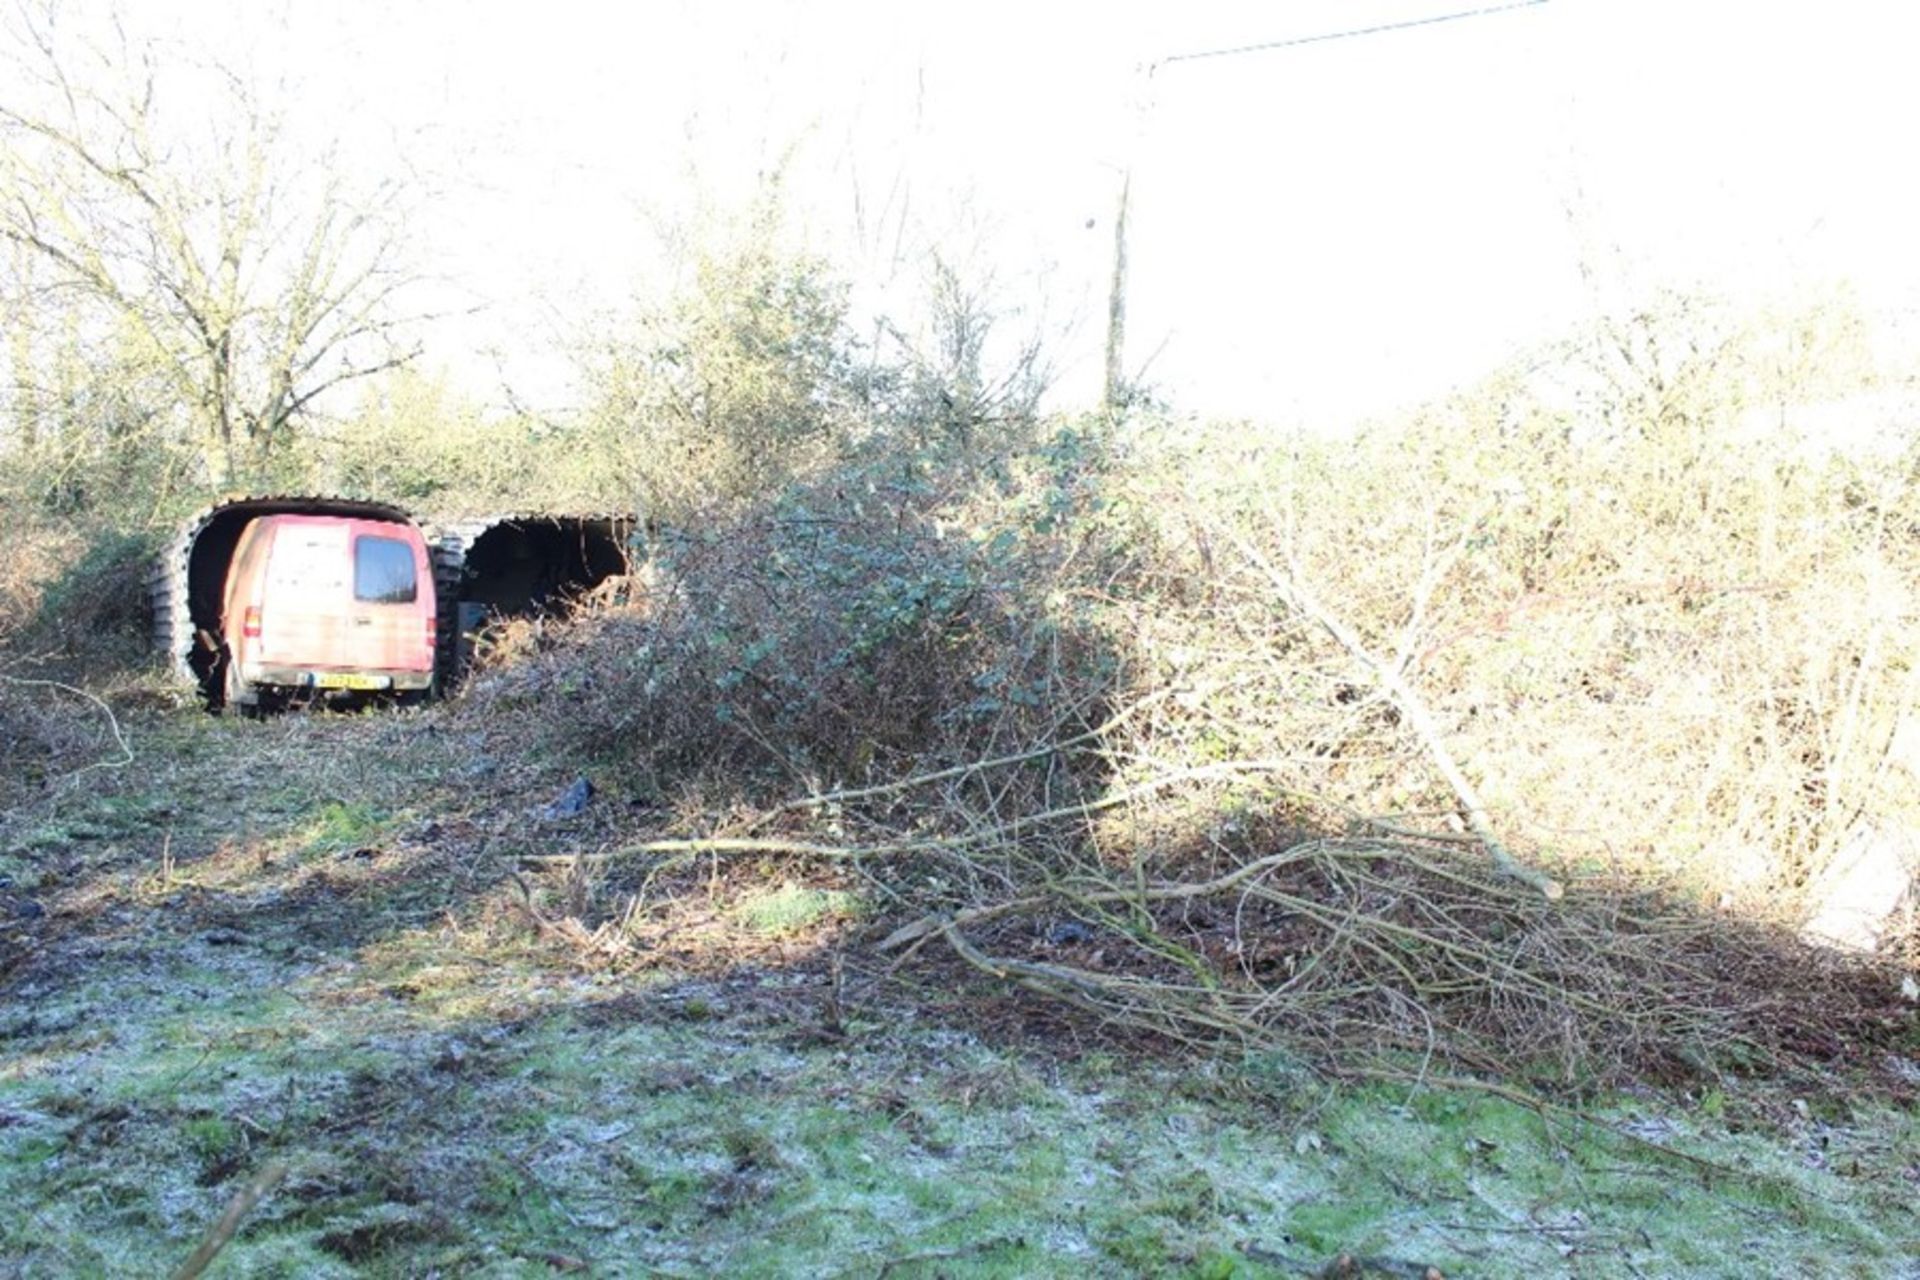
x,y
237,1209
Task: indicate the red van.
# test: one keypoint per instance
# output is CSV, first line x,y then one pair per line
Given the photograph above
x,y
330,604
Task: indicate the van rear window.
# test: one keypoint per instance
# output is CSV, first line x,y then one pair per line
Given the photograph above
x,y
383,571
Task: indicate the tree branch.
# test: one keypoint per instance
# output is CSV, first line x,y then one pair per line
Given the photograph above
x,y
1391,680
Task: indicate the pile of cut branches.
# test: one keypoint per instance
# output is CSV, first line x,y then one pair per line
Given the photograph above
x,y
1353,944
1358,951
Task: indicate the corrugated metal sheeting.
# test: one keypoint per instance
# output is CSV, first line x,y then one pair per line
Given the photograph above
x,y
184,587
501,564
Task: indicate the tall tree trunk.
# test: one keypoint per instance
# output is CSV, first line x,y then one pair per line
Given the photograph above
x,y
221,408
25,396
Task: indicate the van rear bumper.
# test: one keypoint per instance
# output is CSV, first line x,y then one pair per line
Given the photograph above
x,y
308,678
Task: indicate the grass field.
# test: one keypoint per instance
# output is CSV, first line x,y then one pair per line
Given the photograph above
x,y
314,946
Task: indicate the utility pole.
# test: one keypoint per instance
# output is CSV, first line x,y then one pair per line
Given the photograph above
x,y
1116,392
1116,389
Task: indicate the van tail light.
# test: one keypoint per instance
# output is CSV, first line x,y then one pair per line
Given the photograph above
x,y
433,631
250,625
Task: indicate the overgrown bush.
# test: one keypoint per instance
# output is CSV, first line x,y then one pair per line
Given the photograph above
x,y
98,602
1680,646
898,612
1294,730
72,592
34,556
414,440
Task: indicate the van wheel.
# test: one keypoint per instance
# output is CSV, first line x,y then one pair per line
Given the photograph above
x,y
242,699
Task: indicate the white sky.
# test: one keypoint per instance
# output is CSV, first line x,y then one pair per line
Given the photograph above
x,y
1319,231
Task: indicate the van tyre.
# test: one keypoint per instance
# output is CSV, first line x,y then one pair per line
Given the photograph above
x,y
241,698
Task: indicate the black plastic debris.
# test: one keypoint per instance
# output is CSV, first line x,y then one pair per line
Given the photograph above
x,y
572,802
1066,932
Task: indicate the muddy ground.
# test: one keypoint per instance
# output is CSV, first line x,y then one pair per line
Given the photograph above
x,y
318,946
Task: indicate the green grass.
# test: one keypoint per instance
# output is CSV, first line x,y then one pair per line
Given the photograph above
x,y
697,1148
793,908
449,1096
337,827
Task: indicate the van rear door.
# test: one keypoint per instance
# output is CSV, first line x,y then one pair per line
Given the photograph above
x,y
389,606
303,618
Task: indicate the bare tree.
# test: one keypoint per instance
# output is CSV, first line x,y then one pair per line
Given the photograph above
x,y
974,358
170,220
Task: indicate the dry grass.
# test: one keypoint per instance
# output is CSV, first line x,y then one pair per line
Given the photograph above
x,y
36,555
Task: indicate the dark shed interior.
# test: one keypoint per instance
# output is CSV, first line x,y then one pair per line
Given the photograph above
x,y
527,565
517,566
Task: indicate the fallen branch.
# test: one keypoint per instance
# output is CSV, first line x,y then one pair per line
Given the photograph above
x,y
113,723
1393,828
1113,998
237,1209
729,844
990,833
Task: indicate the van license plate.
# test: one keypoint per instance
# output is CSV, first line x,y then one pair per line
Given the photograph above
x,y
345,680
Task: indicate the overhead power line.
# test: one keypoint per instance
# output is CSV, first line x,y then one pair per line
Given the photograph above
x,y
1326,36
1117,292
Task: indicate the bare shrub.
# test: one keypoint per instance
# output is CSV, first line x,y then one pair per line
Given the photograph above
x,y
742,376
1681,649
